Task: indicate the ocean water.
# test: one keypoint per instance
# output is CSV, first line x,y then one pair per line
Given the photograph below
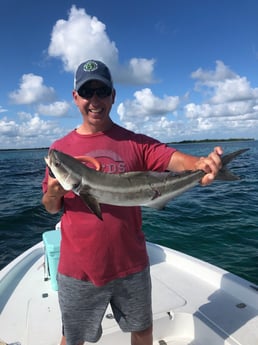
x,y
217,223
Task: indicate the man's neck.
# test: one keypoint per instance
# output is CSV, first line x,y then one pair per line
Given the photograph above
x,y
86,129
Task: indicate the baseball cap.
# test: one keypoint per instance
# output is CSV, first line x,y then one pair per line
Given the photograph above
x,y
92,70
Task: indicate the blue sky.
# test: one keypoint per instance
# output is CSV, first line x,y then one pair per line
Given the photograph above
x,y
183,69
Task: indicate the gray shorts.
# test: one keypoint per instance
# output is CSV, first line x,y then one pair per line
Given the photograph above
x,y
83,305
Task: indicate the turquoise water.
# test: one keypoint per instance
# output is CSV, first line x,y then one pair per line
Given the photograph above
x,y
217,223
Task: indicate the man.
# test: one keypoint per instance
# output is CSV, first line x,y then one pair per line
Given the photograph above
x,y
104,262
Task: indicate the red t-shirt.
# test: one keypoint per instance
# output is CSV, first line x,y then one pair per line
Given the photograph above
x,y
96,250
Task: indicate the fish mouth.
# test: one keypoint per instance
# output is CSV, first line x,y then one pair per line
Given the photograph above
x,y
47,160
52,159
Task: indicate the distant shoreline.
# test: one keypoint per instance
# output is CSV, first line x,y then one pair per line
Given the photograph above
x,y
172,142
26,149
210,141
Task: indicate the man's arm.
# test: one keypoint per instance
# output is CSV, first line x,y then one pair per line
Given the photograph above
x,y
211,164
53,198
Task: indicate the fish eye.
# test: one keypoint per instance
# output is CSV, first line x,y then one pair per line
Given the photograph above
x,y
57,164
75,185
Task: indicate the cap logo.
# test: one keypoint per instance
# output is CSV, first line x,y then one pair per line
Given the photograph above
x,y
90,66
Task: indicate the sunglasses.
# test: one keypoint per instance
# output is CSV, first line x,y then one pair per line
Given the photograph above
x,y
101,92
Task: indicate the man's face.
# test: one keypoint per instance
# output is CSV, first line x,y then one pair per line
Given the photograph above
x,y
94,100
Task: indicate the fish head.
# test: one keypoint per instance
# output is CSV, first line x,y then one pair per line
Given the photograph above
x,y
64,169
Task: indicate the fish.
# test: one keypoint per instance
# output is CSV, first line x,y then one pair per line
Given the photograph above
x,y
137,188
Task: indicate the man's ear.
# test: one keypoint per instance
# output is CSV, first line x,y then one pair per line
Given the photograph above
x,y
75,96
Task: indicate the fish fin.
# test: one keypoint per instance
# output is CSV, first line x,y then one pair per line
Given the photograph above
x,y
225,174
228,158
92,204
157,205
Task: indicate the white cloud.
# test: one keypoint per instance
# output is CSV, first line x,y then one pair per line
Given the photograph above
x,y
149,114
221,72
237,89
83,37
139,71
8,128
223,85
32,90
146,105
230,103
232,109
142,69
35,127
2,110
30,131
57,109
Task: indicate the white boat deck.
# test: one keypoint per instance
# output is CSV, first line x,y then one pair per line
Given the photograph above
x,y
194,303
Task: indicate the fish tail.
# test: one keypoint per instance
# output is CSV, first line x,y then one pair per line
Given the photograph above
x,y
224,173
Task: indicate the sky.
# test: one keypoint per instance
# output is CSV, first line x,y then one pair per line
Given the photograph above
x,y
182,69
